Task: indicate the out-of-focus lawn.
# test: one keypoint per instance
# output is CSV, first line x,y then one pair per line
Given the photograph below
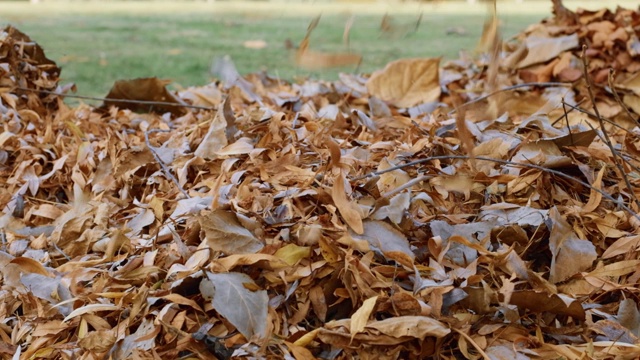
x,y
97,43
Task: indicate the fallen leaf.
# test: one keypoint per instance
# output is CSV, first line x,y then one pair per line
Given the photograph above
x,y
570,254
406,82
143,89
245,309
360,318
223,232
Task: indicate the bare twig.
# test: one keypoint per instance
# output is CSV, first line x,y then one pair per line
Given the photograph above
x,y
509,88
503,162
164,167
614,154
612,74
566,118
622,156
566,113
391,193
128,101
60,251
587,112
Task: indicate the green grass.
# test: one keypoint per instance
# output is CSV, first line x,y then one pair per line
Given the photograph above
x,y
97,43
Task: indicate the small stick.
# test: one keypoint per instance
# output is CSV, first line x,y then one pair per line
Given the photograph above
x,y
391,193
165,170
614,153
622,156
128,101
59,250
566,119
567,112
503,162
509,88
587,112
612,74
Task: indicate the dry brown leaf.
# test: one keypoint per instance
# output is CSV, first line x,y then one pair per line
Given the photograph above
x,y
311,59
570,254
89,211
360,318
543,302
541,49
223,232
406,82
143,89
348,209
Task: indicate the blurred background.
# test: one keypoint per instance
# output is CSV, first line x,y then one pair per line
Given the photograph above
x,y
97,42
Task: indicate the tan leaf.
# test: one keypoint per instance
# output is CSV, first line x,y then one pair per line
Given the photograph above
x,y
570,255
348,209
542,49
223,232
216,137
360,318
407,82
99,341
311,59
143,89
418,327
299,352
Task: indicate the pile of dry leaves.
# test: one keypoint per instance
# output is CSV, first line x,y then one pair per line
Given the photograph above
x,y
473,210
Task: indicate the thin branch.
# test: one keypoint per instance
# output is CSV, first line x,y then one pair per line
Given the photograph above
x,y
617,97
503,162
614,154
566,118
509,88
622,156
165,170
391,193
60,251
587,112
566,113
128,101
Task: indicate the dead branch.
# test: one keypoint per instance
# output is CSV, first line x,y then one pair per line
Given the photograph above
x,y
614,154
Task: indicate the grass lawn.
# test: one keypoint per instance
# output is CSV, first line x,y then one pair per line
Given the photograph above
x,y
97,43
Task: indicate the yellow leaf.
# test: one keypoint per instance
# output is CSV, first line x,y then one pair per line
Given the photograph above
x,y
361,316
292,253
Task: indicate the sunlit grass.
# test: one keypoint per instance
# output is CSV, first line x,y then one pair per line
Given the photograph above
x,y
97,43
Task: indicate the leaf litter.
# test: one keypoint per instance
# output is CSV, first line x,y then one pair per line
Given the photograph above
x,y
461,210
